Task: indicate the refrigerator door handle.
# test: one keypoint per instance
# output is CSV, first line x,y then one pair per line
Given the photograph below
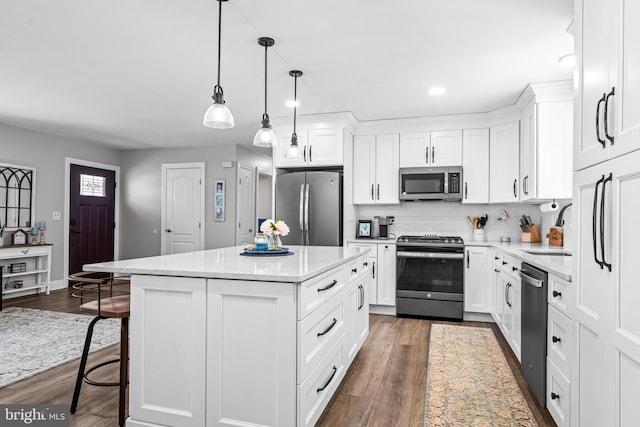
x,y
306,215
302,214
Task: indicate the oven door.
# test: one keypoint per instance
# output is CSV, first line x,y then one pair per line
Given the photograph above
x,y
434,274
422,184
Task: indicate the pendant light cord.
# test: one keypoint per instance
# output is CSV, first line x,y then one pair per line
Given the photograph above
x,y
295,104
266,46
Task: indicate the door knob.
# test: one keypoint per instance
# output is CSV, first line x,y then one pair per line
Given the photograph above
x,y
168,230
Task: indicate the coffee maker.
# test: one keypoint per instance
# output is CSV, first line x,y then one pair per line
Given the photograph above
x,y
383,223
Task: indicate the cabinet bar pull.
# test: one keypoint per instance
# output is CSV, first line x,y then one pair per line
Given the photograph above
x,y
604,186
600,140
329,286
554,396
555,339
310,158
427,155
333,374
466,191
594,223
333,323
361,297
373,269
606,120
372,192
304,153
433,154
467,259
515,188
556,294
378,192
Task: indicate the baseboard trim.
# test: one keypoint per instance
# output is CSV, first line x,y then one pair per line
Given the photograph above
x,y
387,310
478,317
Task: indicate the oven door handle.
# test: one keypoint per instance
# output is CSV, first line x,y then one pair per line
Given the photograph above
x,y
434,255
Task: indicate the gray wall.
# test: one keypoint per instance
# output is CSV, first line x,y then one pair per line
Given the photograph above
x,y
47,153
142,186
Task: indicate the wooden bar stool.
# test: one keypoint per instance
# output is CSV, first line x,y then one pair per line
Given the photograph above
x,y
106,300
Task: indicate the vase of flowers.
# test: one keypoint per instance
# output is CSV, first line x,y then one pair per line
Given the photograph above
x,y
274,229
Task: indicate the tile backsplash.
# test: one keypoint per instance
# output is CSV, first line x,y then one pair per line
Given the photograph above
x,y
450,218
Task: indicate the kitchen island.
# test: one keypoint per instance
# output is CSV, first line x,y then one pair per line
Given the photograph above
x,y
220,339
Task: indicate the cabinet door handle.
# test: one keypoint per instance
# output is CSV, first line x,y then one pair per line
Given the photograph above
x,y
467,259
378,192
372,192
497,270
504,263
433,154
304,153
329,286
354,270
361,297
318,390
310,158
364,264
333,323
603,99
507,293
427,155
554,396
604,186
514,268
556,294
515,187
466,191
594,222
606,115
373,269
555,339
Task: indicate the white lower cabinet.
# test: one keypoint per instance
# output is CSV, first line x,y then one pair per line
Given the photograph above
x,y
234,352
478,292
382,265
558,395
508,305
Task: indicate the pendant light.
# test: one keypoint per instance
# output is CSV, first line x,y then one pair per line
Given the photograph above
x,y
294,152
265,137
218,116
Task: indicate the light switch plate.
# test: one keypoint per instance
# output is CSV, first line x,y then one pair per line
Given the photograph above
x,y
56,216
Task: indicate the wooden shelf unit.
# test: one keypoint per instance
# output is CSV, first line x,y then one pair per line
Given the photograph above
x,y
38,268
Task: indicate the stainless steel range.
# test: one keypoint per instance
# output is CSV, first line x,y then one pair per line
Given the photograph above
x,y
430,276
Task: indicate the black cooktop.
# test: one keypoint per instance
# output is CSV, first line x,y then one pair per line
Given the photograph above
x,y
431,239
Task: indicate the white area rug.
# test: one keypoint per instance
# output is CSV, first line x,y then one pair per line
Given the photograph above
x,y
32,341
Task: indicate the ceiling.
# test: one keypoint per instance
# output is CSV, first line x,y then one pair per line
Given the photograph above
x,y
140,74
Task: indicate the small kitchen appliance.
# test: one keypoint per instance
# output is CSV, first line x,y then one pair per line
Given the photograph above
x,y
383,224
437,183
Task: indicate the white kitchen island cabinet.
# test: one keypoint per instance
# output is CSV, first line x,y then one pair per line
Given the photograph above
x,y
220,339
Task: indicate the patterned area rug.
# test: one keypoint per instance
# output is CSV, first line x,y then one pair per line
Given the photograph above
x,y
32,341
469,382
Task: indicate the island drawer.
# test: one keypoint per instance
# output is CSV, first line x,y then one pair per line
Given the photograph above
x,y
356,269
316,391
559,340
318,332
560,294
317,290
558,395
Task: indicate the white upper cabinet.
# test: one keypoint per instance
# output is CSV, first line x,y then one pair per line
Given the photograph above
x,y
438,148
504,152
320,147
376,169
546,146
608,61
475,166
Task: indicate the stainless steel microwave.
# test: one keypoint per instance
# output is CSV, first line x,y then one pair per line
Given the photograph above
x,y
436,183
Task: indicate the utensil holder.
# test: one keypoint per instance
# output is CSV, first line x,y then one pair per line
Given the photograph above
x,y
479,235
556,236
531,236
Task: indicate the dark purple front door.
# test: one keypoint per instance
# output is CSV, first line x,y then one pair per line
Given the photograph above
x,y
91,216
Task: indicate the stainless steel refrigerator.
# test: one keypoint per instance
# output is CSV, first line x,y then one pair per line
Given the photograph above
x,y
310,203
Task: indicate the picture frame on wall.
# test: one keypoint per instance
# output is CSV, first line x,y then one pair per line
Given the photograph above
x,y
219,205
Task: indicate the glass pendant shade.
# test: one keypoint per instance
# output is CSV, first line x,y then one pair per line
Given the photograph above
x,y
293,151
218,116
265,137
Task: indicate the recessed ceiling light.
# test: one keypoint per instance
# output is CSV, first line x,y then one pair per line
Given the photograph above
x,y
292,104
568,61
437,91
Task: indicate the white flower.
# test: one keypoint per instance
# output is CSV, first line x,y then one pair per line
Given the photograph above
x,y
277,226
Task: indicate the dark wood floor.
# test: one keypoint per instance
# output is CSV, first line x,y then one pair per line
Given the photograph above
x,y
383,387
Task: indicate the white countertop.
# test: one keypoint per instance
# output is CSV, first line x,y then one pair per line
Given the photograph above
x,y
227,263
561,266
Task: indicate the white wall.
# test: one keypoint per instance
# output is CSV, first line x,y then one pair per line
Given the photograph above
x,y
47,154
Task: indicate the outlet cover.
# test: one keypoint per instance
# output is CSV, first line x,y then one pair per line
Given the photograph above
x,y
56,216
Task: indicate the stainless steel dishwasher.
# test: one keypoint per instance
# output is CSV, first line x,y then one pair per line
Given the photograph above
x,y
533,364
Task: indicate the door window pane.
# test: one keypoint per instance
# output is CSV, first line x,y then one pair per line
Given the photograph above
x,y
92,185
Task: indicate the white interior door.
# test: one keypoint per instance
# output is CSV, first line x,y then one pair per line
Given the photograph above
x,y
246,204
182,208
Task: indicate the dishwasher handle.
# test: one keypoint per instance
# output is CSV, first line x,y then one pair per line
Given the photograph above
x,y
530,280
